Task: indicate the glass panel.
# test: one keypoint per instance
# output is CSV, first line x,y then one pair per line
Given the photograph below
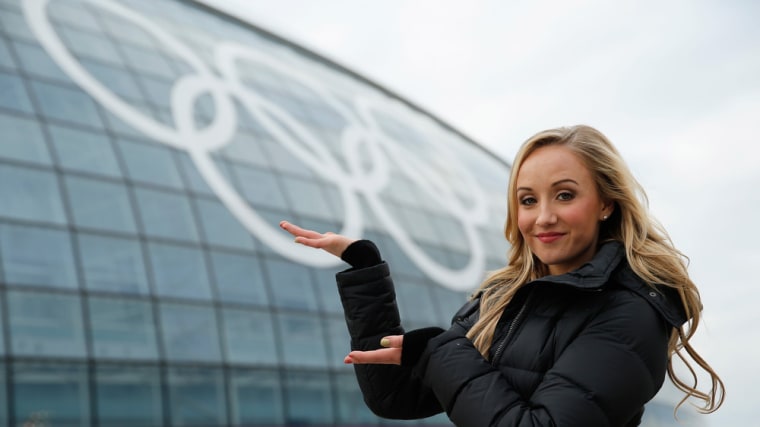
x,y
30,194
45,325
84,151
327,290
89,45
415,303
249,337
47,394
351,407
147,61
291,285
179,271
244,147
122,328
37,256
197,397
338,341
6,60
14,24
260,188
256,398
303,342
128,396
34,60
13,94
100,204
239,278
119,81
113,264
23,140
307,198
221,228
195,181
3,397
166,215
309,398
64,103
190,333
150,163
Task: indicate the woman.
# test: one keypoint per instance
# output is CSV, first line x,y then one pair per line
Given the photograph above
x,y
578,329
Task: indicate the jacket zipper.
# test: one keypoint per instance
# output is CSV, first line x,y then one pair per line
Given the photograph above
x,y
512,327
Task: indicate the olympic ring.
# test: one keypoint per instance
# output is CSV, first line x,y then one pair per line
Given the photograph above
x,y
362,135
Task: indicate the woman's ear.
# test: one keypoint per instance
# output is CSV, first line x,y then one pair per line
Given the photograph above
x,y
608,207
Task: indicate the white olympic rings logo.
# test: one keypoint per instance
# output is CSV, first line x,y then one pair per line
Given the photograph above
x,y
226,87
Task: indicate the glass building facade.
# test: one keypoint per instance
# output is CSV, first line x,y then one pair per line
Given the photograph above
x,y
149,149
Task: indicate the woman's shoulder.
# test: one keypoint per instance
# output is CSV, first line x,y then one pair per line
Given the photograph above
x,y
665,300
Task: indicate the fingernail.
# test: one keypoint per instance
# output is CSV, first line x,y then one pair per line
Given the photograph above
x,y
385,342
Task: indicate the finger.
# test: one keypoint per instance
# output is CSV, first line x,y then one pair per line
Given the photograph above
x,y
383,356
392,341
298,231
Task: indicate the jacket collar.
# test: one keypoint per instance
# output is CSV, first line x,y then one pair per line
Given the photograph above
x,y
610,265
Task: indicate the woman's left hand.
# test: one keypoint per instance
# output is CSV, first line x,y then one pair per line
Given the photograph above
x,y
390,355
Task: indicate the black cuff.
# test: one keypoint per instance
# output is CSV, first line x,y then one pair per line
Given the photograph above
x,y
361,254
415,342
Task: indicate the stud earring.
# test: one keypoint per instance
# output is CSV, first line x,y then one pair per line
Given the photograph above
x,y
604,218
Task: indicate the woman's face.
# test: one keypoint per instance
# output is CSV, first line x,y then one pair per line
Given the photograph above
x,y
559,208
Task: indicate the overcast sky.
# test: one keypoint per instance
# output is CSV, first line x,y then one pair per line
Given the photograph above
x,y
674,84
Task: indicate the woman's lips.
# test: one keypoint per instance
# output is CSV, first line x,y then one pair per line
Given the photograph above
x,y
549,237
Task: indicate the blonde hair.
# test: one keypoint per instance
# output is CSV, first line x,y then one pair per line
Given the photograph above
x,y
649,251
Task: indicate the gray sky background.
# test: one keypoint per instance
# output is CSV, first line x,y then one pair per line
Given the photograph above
x,y
675,85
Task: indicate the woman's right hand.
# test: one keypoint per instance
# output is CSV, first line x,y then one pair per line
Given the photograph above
x,y
329,242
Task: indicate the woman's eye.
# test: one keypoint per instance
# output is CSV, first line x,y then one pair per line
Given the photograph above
x,y
527,201
565,196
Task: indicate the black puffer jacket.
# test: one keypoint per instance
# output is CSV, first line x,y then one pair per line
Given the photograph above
x,y
587,348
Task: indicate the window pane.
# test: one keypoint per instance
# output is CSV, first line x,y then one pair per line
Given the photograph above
x,y
260,188
239,278
30,194
23,140
195,181
148,61
221,228
37,256
50,395
190,333
179,271
415,303
34,60
256,398
150,163
84,151
128,396
303,341
338,341
45,325
13,94
291,285
249,337
100,204
351,407
307,198
122,328
86,44
117,80
309,398
327,290
3,398
65,103
197,397
113,264
166,215
6,60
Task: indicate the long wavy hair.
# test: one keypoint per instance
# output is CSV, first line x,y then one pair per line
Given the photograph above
x,y
649,251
